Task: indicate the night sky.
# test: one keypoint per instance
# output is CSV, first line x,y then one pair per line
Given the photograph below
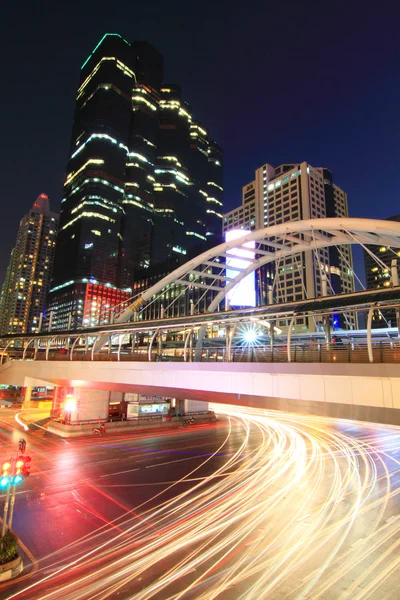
x,y
271,81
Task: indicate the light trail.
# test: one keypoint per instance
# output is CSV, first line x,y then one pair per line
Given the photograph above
x,y
299,508
18,420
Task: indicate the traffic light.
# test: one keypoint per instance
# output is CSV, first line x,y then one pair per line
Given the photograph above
x,y
4,482
23,463
6,467
19,465
5,478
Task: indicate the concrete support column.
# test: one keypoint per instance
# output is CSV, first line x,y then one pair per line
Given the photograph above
x,y
180,407
195,406
327,329
272,336
90,405
58,399
369,334
395,273
27,396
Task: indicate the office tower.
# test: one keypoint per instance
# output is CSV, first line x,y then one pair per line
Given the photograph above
x,y
144,182
293,192
378,274
27,282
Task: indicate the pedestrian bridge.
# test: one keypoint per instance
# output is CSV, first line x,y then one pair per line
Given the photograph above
x,y
369,392
284,355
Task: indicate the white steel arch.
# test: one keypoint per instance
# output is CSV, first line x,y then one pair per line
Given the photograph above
x,y
271,244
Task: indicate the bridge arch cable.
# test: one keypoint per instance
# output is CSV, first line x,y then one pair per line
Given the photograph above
x,y
208,270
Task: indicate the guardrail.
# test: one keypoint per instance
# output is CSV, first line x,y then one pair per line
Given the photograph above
x,y
382,352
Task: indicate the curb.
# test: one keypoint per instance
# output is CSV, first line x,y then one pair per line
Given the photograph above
x,y
11,569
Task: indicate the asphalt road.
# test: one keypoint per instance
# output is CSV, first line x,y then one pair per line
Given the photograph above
x,y
258,505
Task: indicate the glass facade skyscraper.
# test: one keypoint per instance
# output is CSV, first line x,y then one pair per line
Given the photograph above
x,y
24,292
144,182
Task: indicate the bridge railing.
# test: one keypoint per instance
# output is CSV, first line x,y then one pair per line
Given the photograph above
x,y
382,352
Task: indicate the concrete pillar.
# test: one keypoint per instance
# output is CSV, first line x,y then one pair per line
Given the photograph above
x,y
327,329
91,405
395,273
58,399
324,285
272,335
195,406
26,403
180,407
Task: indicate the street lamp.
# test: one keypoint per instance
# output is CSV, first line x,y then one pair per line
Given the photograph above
x,y
69,407
250,336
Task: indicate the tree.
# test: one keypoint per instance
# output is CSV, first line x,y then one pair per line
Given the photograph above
x,y
8,547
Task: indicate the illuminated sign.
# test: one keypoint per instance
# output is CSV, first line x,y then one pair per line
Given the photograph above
x,y
244,293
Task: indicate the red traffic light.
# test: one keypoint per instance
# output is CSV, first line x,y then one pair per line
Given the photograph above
x,y
23,465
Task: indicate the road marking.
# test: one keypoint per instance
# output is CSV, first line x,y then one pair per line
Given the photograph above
x,y
119,473
150,457
173,461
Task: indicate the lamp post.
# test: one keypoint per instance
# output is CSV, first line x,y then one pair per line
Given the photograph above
x,y
69,407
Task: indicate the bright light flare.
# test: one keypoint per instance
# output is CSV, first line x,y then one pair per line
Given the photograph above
x,y
250,336
70,404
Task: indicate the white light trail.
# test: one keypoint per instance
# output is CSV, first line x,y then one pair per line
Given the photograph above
x,y
300,507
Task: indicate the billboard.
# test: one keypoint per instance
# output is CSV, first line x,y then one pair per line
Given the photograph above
x,y
244,293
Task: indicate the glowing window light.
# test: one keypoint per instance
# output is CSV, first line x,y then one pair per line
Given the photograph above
x,y
90,215
91,161
93,73
140,99
96,180
216,185
99,136
196,235
140,157
120,65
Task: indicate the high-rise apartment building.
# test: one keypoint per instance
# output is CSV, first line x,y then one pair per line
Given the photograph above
x,y
293,192
27,282
144,181
378,274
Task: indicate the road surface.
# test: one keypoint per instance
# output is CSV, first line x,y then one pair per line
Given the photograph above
x,y
259,505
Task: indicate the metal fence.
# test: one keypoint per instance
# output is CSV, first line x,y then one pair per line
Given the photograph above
x,y
382,352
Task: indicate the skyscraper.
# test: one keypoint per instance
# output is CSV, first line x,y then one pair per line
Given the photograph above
x,y
144,181
24,292
293,192
378,274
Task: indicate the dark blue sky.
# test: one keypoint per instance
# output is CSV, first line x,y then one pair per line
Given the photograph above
x,y
272,82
